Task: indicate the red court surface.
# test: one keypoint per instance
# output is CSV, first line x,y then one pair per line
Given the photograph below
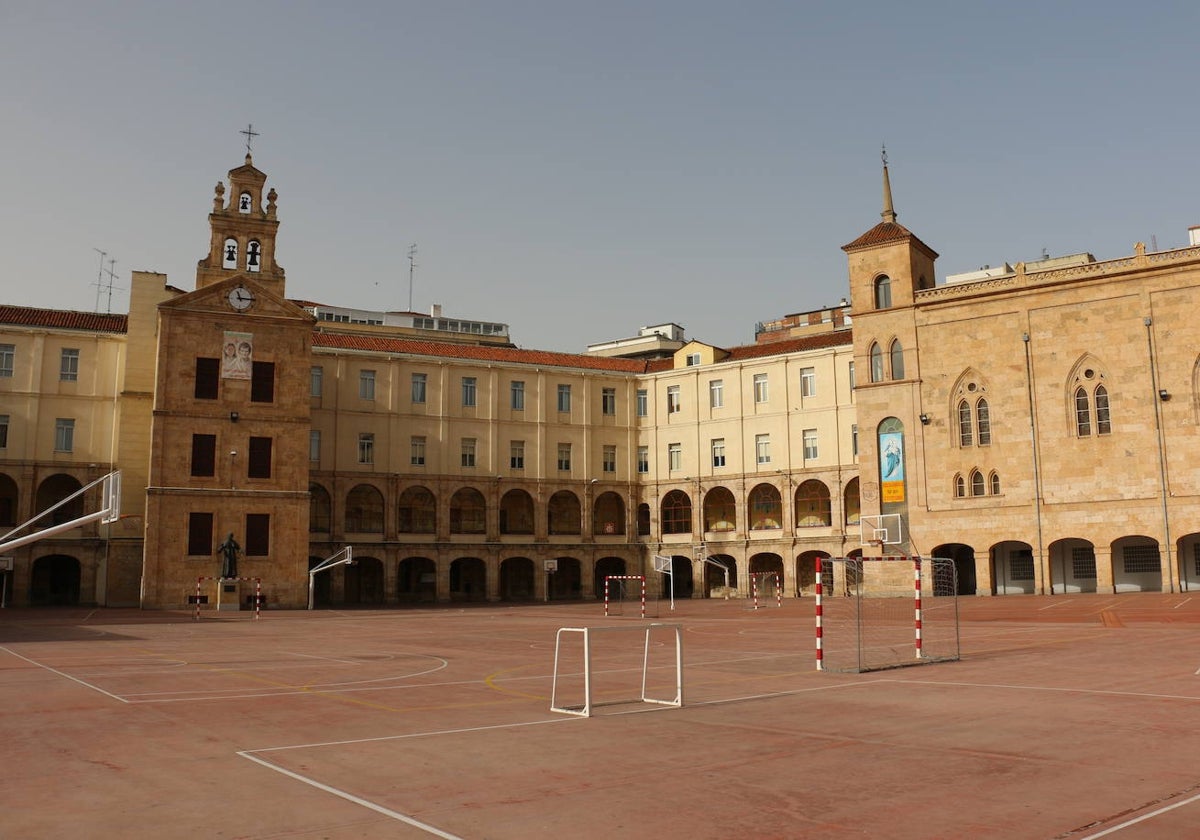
x,y
1066,718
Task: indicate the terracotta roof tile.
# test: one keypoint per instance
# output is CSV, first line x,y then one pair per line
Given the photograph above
x,y
61,319
885,233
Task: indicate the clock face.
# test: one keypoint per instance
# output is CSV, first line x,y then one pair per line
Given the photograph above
x,y
241,298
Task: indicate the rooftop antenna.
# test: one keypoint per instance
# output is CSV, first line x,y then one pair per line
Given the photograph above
x,y
1153,242
112,276
412,268
100,276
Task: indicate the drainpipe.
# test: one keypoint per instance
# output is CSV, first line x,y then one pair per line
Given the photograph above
x,y
1037,474
1159,434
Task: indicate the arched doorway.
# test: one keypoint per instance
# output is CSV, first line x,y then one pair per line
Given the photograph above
x,y
516,579
1137,565
1013,571
416,580
364,582
54,581
964,565
321,584
681,570
606,566
566,584
806,571
52,491
468,579
720,570
1072,566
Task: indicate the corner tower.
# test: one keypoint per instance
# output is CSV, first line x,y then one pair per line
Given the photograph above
x,y
242,232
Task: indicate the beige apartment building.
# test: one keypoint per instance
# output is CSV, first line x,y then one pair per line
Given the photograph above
x,y
1033,424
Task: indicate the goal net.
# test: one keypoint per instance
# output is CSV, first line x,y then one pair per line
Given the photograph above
x,y
616,664
766,590
885,612
626,595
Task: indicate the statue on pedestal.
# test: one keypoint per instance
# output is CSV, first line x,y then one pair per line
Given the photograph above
x,y
229,554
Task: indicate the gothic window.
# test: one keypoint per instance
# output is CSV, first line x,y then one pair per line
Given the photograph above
x,y
994,481
876,363
253,256
1103,421
230,259
883,292
983,418
1090,399
1083,413
965,434
960,487
244,203
897,354
976,483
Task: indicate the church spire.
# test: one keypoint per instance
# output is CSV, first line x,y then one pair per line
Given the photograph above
x,y
889,212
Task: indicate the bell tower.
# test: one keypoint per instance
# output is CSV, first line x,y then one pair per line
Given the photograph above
x,y
242,233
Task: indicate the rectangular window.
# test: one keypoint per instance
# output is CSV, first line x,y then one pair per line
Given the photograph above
x,y
258,464
718,452
64,434
851,371
204,455
416,451
564,398
762,448
760,387
366,384
208,372
468,452
674,456
1020,564
258,534
468,391
854,440
68,367
1083,562
314,445
810,444
643,402
200,530
693,359
516,455
716,394
516,390
564,457
608,401
418,387
316,381
8,355
3,431
808,382
609,459
673,399
643,461
366,448
262,382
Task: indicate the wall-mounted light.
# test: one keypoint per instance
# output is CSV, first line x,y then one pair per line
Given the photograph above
x,y
233,417
924,419
1163,395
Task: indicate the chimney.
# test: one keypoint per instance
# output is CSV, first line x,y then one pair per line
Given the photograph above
x,y
435,311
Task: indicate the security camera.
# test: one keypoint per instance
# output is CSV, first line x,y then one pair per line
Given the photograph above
x,y
232,453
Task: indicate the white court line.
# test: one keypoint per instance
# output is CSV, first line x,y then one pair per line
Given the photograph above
x,y
1137,820
326,658
1057,689
65,676
1052,606
1181,603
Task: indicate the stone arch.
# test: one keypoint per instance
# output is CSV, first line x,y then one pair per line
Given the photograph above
x,y
1072,566
717,569
517,579
51,491
364,582
676,513
814,507
643,520
806,571
322,585
364,510
10,500
608,517
416,580
563,514
720,510
468,512
606,566
468,579
765,507
852,501
320,510
417,511
516,512
54,581
566,584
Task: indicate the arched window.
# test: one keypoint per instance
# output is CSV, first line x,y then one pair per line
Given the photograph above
x,y
676,513
965,437
320,509
1103,420
883,292
1083,413
960,487
720,510
983,418
563,514
468,512
876,362
897,354
364,510
417,511
766,508
229,254
852,502
994,479
813,505
976,483
244,203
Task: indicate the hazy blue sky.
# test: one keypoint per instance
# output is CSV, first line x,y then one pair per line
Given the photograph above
x,y
580,170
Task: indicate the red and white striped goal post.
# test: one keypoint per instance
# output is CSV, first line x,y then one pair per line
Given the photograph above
x,y
754,576
257,593
607,578
916,561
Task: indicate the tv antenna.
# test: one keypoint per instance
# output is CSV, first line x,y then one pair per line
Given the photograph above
x,y
105,285
412,270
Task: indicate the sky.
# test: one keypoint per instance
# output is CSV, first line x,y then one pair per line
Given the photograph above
x,y
579,170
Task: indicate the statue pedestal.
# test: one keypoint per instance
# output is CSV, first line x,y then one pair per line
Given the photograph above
x,y
229,594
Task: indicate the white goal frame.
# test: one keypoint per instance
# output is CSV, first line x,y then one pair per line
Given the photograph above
x,y
609,578
755,577
585,709
858,592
